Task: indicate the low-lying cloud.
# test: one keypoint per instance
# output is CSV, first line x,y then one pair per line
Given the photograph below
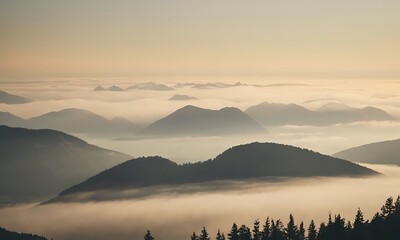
x,y
173,217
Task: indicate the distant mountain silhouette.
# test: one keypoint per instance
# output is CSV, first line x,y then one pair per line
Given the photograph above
x,y
38,163
334,107
74,120
12,120
331,113
195,121
185,84
216,85
250,161
150,86
387,152
179,97
114,88
9,235
12,99
99,88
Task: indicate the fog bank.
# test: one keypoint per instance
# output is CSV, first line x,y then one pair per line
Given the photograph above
x,y
177,216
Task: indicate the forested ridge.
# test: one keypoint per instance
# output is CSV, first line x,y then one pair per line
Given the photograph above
x,y
385,225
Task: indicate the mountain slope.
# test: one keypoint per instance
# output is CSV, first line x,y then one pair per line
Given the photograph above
x,y
387,152
38,163
255,160
12,120
74,120
331,113
9,235
12,99
280,114
195,121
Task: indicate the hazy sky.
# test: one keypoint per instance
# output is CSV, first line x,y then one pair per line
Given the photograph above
x,y
341,37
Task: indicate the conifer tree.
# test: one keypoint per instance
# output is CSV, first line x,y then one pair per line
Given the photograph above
x,y
397,205
256,230
233,234
204,234
220,236
266,233
194,236
244,233
357,233
388,208
291,230
148,236
312,231
301,232
277,232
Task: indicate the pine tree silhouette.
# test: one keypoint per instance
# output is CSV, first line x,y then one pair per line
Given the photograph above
x,y
301,232
291,230
194,236
148,236
220,236
234,233
256,230
266,233
244,233
312,231
204,234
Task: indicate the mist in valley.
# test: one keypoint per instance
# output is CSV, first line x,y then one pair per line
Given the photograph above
x,y
176,216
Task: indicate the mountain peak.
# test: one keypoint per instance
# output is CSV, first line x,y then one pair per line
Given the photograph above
x,y
249,161
195,121
8,98
335,106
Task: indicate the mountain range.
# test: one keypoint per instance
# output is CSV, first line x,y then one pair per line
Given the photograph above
x,y
216,85
72,120
243,162
195,121
150,86
8,98
38,163
332,113
386,152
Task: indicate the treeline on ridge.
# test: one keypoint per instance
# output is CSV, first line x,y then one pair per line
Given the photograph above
x,y
385,225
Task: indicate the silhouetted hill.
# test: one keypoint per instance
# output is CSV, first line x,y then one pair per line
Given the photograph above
x,y
12,120
12,99
195,121
114,88
38,163
150,86
331,113
335,106
280,114
74,120
9,235
254,160
179,97
387,152
99,88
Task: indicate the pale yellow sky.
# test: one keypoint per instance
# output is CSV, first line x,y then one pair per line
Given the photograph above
x,y
129,37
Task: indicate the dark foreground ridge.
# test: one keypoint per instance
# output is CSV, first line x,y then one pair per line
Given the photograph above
x,y
9,235
250,161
